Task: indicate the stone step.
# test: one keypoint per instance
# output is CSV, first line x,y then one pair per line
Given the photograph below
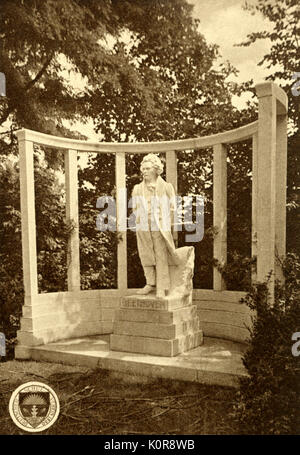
x,y
156,346
154,330
159,317
215,362
151,302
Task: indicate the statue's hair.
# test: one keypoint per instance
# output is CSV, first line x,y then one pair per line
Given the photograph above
x,y
155,161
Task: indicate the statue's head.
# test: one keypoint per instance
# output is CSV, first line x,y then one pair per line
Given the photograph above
x,y
151,166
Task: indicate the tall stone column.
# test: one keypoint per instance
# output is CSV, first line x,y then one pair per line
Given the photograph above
x,y
29,253
271,180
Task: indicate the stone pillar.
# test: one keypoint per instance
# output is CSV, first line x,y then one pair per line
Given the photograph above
x,y
220,211
281,187
271,179
121,208
28,218
72,217
254,204
171,177
29,254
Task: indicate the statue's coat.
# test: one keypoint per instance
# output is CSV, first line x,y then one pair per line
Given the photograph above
x,y
144,242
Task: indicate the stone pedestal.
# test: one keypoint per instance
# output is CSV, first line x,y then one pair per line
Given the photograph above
x,y
148,325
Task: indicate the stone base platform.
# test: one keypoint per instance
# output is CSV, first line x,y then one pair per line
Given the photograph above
x,y
147,325
215,362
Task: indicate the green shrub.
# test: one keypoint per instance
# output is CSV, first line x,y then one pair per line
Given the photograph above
x,y
268,401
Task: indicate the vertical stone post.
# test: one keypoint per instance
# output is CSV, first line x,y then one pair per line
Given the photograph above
x,y
121,206
28,217
71,175
171,177
254,203
220,211
271,180
281,187
29,254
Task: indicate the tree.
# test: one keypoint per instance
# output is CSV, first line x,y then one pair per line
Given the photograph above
x,y
284,54
284,57
268,399
52,236
39,40
177,93
148,75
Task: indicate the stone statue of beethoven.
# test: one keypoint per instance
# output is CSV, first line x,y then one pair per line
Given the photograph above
x,y
166,268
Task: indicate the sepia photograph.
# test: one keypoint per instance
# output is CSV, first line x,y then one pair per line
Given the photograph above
x,y
150,212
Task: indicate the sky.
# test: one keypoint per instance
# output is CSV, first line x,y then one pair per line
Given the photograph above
x,y
226,23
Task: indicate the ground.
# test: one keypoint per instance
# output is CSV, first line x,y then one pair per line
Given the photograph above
x,y
106,402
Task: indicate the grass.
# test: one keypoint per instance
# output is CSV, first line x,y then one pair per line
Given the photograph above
x,y
105,402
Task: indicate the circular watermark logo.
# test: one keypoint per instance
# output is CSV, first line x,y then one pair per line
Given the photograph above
x,y
34,406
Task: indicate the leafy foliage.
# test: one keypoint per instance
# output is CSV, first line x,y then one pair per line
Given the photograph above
x,y
174,91
41,40
284,57
177,94
148,74
237,271
268,400
284,54
11,279
52,234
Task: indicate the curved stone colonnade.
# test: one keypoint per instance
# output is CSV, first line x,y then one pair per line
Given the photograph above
x,y
49,317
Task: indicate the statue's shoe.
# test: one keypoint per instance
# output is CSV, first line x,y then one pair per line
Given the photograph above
x,y
146,290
